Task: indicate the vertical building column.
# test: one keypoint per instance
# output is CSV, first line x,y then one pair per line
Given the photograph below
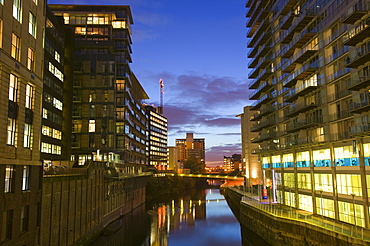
x,y
334,180
359,149
312,176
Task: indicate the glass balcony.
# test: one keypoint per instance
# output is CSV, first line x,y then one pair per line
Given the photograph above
x,y
259,51
298,42
355,13
286,21
285,7
359,83
338,95
303,89
300,74
261,63
263,100
359,56
336,55
340,115
263,124
298,25
265,148
340,135
300,57
258,33
264,74
338,74
262,112
358,33
361,105
360,129
262,88
302,124
263,137
298,108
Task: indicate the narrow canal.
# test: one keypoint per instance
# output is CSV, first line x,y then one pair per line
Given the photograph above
x,y
203,219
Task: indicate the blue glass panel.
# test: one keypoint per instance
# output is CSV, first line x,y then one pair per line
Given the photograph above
x,y
322,163
288,164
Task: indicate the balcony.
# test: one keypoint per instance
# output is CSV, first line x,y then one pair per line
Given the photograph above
x,y
285,7
265,148
360,129
303,124
338,95
300,74
258,33
303,89
259,51
358,33
300,57
299,41
264,74
261,63
264,111
298,108
286,21
264,137
359,56
357,84
263,100
263,124
355,13
361,105
262,88
298,25
338,74
340,136
336,55
340,115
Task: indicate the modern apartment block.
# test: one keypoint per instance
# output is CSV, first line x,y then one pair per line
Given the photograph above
x,y
109,121
251,166
191,147
157,134
21,72
309,71
56,127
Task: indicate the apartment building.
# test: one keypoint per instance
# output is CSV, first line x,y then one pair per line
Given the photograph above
x,y
157,133
191,147
108,119
309,75
21,54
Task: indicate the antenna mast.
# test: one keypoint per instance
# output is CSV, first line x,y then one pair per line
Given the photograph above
x,y
161,91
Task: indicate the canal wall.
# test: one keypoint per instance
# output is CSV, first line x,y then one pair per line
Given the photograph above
x,y
78,205
280,231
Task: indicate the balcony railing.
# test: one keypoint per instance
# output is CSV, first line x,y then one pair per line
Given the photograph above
x,y
301,73
360,129
303,89
265,148
266,123
338,74
264,99
340,115
284,7
339,94
355,12
337,54
358,56
262,88
300,57
264,137
361,105
264,111
358,33
298,108
306,123
359,83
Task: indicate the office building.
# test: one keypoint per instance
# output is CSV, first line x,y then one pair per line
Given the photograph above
x,y
21,70
157,133
109,121
191,147
309,72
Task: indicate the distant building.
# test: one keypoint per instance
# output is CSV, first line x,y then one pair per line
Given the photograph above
x,y
157,133
250,148
191,147
173,160
232,163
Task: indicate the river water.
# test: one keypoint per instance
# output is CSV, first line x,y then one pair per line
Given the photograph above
x,y
201,219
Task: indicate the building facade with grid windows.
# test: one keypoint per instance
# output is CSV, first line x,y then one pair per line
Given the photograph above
x,y
308,64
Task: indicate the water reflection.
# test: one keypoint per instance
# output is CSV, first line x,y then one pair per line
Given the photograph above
x,y
202,218
206,220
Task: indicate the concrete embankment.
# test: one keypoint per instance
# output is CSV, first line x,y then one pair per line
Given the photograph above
x,y
280,230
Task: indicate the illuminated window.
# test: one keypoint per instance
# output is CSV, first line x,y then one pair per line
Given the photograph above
x,y
91,125
303,159
119,24
17,8
323,182
77,126
304,181
9,179
27,139
15,52
32,25
325,207
57,104
13,87
11,132
120,127
26,178
57,56
1,33
29,96
80,30
31,59
349,184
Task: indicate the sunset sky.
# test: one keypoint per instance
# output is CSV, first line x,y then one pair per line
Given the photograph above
x,y
198,49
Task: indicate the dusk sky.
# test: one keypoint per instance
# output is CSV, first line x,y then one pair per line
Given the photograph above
x,y
198,49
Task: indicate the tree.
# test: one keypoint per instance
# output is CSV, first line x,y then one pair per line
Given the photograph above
x,y
192,164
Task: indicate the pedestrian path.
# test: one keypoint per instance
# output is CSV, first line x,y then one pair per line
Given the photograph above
x,y
287,212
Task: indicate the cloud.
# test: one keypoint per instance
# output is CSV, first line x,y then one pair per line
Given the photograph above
x,y
215,154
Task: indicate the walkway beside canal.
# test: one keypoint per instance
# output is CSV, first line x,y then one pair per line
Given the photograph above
x,y
299,220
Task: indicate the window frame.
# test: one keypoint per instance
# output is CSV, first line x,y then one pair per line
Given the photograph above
x,y
16,46
32,24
